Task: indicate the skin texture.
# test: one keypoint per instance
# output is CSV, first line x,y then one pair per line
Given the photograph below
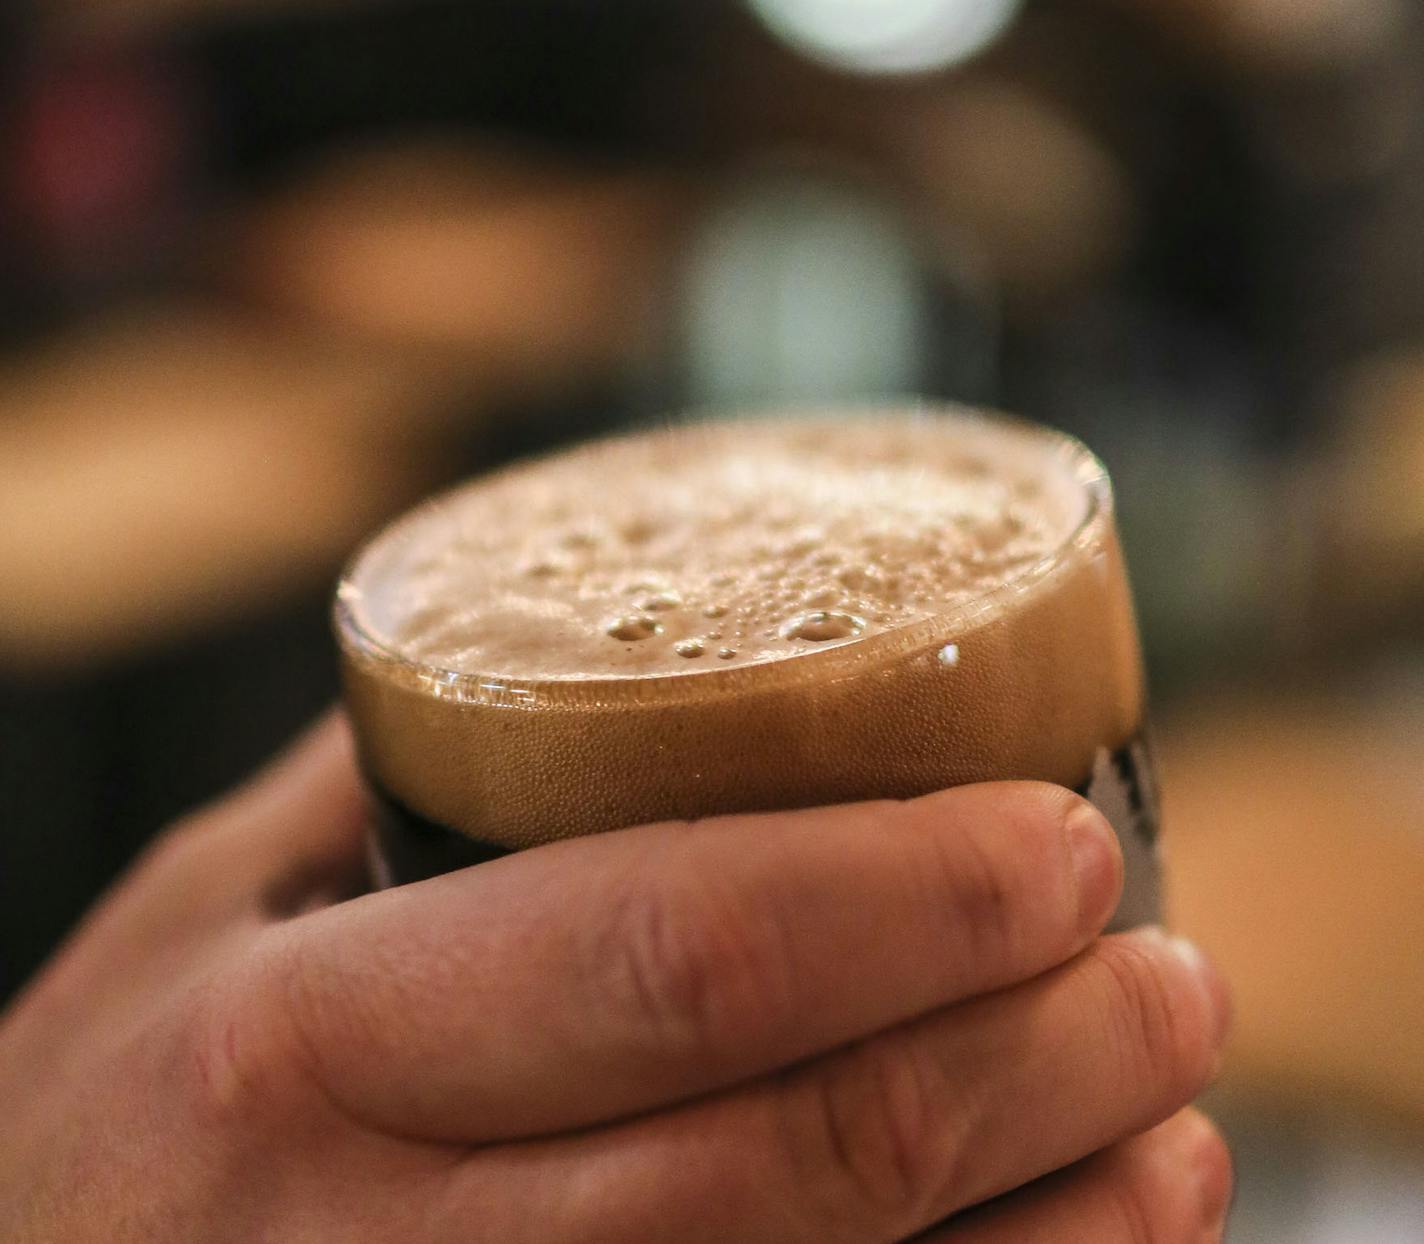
x,y
852,1023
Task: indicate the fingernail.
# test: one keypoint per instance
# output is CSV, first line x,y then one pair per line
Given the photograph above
x,y
1212,982
1214,1181
1097,869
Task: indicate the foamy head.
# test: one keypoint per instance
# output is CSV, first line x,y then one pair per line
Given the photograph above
x,y
715,547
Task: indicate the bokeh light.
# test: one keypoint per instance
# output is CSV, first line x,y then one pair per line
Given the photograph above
x,y
889,36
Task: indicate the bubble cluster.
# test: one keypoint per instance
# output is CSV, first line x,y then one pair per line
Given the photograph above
x,y
731,544
633,629
820,626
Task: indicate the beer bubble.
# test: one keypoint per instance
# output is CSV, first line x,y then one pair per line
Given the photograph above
x,y
581,538
633,628
638,531
803,543
543,567
821,626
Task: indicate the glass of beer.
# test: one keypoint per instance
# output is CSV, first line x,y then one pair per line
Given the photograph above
x,y
747,615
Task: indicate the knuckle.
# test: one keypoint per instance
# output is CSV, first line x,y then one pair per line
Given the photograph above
x,y
262,1035
885,1144
696,969
239,1063
1159,1033
323,1008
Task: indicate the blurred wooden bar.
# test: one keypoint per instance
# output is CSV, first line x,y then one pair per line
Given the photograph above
x,y
176,465
1295,847
521,275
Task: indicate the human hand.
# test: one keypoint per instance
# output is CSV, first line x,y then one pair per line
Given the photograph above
x,y
840,1024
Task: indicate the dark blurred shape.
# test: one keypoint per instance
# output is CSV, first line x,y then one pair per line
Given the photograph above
x,y
92,764
1368,504
562,73
103,143
101,176
1280,37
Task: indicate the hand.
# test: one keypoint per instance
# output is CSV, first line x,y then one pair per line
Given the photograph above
x,y
841,1024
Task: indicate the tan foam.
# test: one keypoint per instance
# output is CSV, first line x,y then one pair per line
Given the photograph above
x,y
908,602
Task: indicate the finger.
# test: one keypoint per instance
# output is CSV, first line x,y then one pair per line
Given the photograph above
x,y
590,979
897,1132
1170,1184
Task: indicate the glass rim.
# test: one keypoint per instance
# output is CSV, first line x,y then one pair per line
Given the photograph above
x,y
1081,466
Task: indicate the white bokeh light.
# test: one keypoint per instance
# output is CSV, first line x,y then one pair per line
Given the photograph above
x,y
888,36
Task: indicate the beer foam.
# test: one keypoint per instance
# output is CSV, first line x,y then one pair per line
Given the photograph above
x,y
708,548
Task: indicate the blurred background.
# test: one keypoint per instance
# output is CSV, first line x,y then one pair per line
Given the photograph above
x,y
270,270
